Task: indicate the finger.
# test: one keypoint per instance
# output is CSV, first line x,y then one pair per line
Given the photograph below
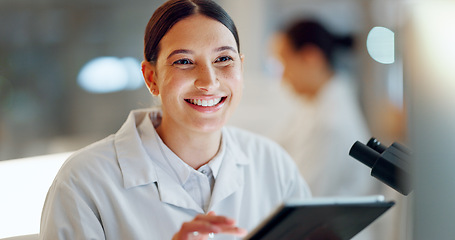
x,y
236,231
201,227
215,219
227,225
208,224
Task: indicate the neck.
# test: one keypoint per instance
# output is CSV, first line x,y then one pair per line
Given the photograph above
x,y
194,148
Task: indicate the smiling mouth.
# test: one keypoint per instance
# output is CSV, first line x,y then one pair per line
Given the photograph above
x,y
206,102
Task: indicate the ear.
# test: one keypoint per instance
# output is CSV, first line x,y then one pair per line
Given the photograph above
x,y
148,71
242,60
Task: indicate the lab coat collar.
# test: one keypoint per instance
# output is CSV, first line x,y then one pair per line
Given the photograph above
x,y
230,176
132,157
138,169
171,192
229,180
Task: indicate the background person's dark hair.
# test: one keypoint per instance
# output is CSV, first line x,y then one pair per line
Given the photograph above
x,y
311,32
175,10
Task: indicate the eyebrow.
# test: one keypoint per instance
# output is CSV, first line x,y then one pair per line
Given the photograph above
x,y
186,51
179,51
220,49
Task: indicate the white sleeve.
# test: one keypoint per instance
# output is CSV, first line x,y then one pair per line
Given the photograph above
x,y
69,214
297,187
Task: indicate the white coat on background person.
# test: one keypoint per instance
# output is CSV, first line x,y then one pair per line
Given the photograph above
x,y
327,118
319,136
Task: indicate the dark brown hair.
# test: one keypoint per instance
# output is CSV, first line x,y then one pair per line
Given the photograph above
x,y
172,12
311,32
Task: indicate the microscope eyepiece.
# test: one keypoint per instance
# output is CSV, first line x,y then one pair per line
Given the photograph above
x,y
376,145
364,154
388,164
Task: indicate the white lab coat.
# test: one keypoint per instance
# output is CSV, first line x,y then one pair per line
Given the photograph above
x,y
112,189
319,136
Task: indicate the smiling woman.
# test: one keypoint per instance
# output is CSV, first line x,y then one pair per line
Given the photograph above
x,y
198,61
177,171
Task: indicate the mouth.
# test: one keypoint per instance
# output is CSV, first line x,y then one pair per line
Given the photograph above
x,y
206,102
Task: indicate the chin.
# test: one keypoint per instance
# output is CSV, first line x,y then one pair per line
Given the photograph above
x,y
209,126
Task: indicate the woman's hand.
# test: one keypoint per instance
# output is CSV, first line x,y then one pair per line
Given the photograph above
x,y
204,226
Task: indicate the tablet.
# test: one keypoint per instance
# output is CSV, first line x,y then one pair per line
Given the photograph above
x,y
321,218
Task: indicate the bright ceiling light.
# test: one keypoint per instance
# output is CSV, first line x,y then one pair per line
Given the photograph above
x,y
110,74
381,45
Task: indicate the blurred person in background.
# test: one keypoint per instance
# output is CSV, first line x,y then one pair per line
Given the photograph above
x,y
328,118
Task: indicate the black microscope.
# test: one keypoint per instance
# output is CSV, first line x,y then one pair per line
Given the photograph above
x,y
388,164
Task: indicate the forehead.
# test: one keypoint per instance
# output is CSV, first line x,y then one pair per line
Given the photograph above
x,y
197,32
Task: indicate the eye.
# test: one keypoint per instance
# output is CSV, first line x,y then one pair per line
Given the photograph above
x,y
183,61
223,59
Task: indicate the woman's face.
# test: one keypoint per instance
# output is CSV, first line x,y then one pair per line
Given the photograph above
x,y
294,67
198,74
306,69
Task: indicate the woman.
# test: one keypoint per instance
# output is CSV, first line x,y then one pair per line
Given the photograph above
x,y
176,172
328,120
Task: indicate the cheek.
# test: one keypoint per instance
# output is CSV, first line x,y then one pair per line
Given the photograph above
x,y
232,75
234,80
173,82
294,70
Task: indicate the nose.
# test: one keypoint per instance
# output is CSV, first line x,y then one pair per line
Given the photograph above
x,y
206,78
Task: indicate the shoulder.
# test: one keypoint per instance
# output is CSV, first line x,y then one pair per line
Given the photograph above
x,y
249,140
256,148
339,109
267,162
93,162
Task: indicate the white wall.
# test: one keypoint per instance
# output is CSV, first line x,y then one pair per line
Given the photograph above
x,y
23,187
431,78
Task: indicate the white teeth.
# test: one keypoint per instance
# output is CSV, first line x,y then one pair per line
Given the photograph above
x,y
205,103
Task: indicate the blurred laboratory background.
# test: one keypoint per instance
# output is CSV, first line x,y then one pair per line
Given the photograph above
x,y
69,71
70,74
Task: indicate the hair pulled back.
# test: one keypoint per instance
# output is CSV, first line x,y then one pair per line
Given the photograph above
x,y
172,12
311,32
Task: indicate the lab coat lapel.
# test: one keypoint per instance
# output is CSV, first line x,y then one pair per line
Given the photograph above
x,y
230,177
138,168
133,160
171,192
